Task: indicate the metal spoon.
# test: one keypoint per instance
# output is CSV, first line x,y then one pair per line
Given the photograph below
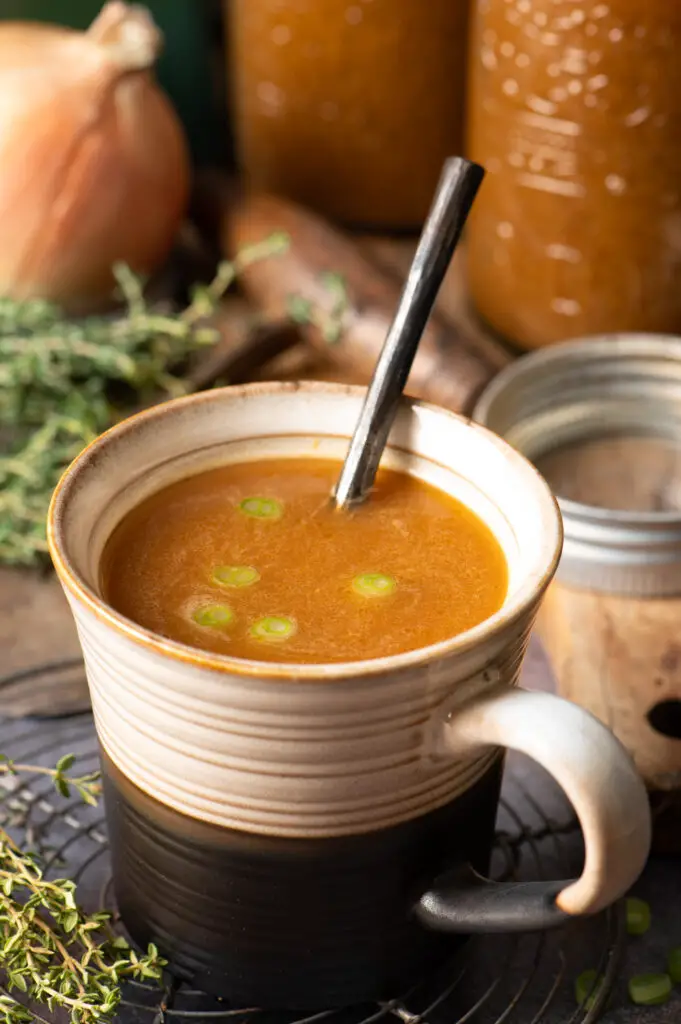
x,y
456,191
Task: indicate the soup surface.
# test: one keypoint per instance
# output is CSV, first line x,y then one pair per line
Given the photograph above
x,y
253,561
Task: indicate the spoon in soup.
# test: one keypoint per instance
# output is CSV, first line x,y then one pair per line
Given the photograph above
x,y
456,191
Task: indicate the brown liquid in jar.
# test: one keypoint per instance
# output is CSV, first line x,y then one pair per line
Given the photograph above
x,y
349,106
615,650
575,110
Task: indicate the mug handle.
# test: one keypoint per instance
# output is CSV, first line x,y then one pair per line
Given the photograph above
x,y
606,792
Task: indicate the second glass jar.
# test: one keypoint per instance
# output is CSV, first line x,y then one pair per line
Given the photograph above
x,y
350,106
575,111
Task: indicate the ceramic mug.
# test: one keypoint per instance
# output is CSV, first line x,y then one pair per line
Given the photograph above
x,y
306,836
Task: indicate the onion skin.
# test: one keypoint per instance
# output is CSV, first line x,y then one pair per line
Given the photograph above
x,y
94,166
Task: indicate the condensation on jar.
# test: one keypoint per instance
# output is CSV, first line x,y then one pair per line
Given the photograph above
x,y
575,111
349,106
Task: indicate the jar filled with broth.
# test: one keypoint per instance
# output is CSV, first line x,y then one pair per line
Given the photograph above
x,y
349,106
600,418
575,110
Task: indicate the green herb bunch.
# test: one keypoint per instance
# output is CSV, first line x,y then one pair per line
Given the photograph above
x,y
51,952
63,382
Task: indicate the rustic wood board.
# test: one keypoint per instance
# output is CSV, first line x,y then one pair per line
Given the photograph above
x,y
36,628
394,256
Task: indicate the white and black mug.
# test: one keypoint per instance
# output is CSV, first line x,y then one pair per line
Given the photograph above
x,y
313,835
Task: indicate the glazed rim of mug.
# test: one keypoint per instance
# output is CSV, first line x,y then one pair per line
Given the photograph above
x,y
516,604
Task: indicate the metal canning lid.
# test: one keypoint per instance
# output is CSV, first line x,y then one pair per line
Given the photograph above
x,y
619,385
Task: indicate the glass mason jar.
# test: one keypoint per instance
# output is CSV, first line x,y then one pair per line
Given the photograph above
x,y
600,417
349,106
575,111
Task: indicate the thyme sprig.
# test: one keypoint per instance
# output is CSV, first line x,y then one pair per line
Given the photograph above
x,y
58,380
328,318
51,951
87,786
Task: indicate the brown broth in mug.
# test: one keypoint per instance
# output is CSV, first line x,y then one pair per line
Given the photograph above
x,y
252,561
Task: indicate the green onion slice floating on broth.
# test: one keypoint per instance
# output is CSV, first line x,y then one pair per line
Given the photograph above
x,y
235,575
273,628
217,616
262,508
374,584
650,989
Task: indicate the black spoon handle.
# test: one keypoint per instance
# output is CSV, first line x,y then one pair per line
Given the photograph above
x,y
456,191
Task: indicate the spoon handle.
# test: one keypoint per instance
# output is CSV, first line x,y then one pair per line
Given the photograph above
x,y
456,191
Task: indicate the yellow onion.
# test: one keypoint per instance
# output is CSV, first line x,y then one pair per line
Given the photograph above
x,y
94,165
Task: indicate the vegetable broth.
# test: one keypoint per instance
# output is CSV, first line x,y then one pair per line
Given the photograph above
x,y
252,561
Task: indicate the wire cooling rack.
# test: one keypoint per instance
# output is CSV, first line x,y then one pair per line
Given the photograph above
x,y
527,979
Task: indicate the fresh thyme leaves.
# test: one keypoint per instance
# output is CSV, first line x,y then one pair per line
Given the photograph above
x,y
87,786
57,377
51,952
330,322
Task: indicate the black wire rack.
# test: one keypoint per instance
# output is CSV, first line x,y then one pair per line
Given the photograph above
x,y
526,979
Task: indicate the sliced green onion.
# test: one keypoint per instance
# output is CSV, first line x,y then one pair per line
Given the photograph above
x,y
587,987
218,616
374,584
650,989
674,965
273,628
235,575
638,916
262,508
